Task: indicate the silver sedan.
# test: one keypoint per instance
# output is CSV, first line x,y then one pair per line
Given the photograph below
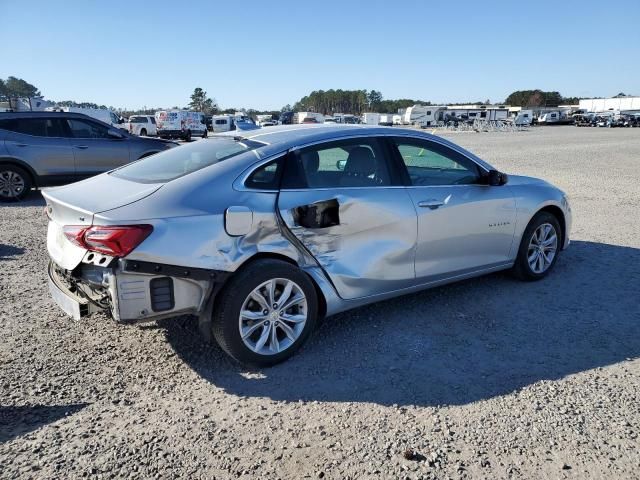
x,y
262,233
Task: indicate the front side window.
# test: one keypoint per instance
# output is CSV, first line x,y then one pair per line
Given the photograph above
x,y
153,120
431,164
344,163
87,129
171,164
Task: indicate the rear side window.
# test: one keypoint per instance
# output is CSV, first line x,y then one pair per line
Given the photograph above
x,y
221,122
179,161
346,163
36,127
266,177
138,120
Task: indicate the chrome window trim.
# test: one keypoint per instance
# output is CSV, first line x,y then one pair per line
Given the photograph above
x,y
239,182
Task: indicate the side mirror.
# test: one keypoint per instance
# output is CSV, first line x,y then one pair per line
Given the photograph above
x,y
496,178
115,134
340,164
120,120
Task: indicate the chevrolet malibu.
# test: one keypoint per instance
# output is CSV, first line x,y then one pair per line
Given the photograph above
x,y
262,234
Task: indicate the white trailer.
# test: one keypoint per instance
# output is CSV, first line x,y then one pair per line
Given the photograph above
x,y
386,119
371,118
308,117
423,115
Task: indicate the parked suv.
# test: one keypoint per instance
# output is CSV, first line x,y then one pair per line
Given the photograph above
x,y
47,148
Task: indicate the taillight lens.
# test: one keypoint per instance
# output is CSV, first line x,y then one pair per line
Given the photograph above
x,y
117,241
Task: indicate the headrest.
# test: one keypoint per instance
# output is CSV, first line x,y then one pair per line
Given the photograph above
x,y
361,161
310,161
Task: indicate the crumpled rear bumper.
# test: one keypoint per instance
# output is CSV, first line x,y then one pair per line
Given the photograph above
x,y
133,291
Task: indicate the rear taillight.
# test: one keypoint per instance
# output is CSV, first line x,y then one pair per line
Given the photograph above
x,y
117,241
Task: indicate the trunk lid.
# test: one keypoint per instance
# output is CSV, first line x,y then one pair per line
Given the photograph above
x,y
77,203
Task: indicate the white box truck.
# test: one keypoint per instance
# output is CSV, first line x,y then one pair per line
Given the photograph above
x,y
371,118
106,116
182,124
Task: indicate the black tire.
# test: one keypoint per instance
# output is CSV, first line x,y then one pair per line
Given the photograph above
x,y
187,136
225,325
12,177
143,132
521,269
205,134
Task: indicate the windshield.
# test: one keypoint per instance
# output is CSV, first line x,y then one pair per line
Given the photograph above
x,y
171,164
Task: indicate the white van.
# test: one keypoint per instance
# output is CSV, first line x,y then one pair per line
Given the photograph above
x,y
181,124
226,123
106,116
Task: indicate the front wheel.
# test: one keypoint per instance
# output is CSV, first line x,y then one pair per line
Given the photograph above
x,y
265,313
15,183
187,136
539,247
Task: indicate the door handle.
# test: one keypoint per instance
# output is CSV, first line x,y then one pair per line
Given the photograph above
x,y
81,147
432,204
21,145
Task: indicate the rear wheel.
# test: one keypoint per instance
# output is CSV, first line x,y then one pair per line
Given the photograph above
x,y
539,247
205,134
143,133
187,136
265,313
15,183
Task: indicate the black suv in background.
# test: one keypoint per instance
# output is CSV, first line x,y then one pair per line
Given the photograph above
x,y
47,148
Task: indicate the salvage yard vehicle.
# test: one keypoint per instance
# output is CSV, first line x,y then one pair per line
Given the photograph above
x,y
48,148
262,234
181,124
102,114
142,125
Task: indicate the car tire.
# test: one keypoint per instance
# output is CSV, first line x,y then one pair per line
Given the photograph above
x,y
15,183
248,292
187,136
143,133
539,248
205,134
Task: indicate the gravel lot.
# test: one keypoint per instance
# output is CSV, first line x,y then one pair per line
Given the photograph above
x,y
490,378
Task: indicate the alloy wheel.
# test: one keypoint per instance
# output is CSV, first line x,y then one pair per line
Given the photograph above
x,y
273,316
11,184
542,248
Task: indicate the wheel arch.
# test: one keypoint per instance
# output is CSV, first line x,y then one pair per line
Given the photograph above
x,y
25,166
559,214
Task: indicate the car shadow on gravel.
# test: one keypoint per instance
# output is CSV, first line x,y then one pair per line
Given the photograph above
x,y
8,251
33,199
456,344
19,420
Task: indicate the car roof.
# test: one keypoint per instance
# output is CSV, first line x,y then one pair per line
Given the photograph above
x,y
44,114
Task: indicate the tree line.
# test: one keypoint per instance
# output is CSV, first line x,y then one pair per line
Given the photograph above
x,y
326,102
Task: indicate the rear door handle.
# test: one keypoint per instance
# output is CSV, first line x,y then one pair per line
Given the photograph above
x,y
432,204
81,147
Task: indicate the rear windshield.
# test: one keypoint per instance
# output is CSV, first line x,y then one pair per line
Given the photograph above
x,y
171,164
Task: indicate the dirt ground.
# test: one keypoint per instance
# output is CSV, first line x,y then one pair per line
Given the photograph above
x,y
489,378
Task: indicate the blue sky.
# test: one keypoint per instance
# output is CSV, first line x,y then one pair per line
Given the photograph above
x,y
265,54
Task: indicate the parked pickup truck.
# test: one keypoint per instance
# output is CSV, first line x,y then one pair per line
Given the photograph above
x,y
142,125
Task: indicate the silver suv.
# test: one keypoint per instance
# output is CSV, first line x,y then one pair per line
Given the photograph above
x,y
46,148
